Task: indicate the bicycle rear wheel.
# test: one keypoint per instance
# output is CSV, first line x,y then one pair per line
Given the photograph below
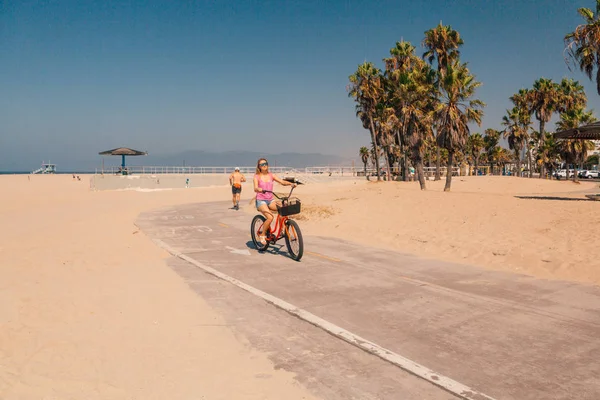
x,y
257,223
293,240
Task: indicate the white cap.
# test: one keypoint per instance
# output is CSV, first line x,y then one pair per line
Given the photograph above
x,y
237,168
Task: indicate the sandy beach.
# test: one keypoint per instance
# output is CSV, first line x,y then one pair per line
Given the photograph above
x,y
542,228
89,306
89,309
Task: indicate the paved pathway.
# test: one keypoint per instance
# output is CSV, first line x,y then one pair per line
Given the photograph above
x,y
507,336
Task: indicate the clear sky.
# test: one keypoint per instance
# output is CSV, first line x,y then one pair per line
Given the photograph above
x,y
83,76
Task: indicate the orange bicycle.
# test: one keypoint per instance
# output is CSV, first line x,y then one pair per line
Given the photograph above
x,y
281,227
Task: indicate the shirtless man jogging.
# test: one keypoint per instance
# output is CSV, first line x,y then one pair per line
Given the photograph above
x,y
235,180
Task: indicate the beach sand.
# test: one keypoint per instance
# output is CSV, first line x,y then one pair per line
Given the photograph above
x,y
528,226
89,308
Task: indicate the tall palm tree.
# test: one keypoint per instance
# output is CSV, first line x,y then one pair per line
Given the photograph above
x,y
516,133
522,101
457,108
366,88
545,99
364,156
442,46
413,96
583,44
385,124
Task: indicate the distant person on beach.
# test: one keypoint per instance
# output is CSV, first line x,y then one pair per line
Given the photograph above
x,y
263,180
235,180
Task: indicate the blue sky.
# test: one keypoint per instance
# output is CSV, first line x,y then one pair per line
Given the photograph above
x,y
168,76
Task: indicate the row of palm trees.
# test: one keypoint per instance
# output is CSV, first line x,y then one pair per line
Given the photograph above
x,y
545,99
413,104
418,109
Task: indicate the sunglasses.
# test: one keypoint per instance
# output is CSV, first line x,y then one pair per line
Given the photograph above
x,y
264,164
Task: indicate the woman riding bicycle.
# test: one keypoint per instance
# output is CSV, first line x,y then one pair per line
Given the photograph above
x,y
263,186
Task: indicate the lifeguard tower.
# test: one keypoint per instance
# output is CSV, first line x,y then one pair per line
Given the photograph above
x,y
46,168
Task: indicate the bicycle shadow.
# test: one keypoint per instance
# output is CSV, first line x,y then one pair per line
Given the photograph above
x,y
274,248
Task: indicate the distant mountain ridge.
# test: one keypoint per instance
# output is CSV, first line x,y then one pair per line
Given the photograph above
x,y
192,158
242,158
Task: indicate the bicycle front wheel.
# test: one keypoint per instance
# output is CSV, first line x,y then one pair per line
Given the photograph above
x,y
257,223
293,240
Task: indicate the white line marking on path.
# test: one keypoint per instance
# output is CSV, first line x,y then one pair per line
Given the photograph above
x,y
448,384
244,252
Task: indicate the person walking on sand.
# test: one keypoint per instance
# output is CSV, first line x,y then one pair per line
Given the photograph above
x,y
235,180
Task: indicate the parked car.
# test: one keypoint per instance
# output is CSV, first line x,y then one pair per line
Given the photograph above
x,y
562,173
586,174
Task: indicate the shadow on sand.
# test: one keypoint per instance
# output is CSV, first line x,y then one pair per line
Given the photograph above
x,y
552,198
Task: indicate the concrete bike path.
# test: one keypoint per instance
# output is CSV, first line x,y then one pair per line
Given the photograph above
x,y
507,336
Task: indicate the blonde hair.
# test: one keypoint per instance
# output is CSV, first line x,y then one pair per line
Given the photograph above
x,y
258,171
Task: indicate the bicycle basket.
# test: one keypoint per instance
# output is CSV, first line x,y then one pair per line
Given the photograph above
x,y
289,207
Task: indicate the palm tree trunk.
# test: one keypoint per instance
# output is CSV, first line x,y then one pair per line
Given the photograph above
x,y
541,147
449,172
366,176
529,165
374,140
438,164
476,165
389,167
402,139
518,151
419,171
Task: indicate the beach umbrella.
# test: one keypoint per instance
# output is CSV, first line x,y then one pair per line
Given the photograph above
x,y
123,152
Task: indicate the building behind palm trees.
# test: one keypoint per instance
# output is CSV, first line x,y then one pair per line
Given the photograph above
x,y
596,149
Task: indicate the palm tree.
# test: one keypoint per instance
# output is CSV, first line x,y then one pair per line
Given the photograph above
x,y
515,132
545,99
522,101
413,96
366,89
364,156
491,139
583,44
475,144
385,123
456,110
550,154
575,151
571,95
442,45
501,156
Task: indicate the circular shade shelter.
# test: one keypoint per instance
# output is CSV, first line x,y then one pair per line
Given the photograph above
x,y
123,152
586,132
